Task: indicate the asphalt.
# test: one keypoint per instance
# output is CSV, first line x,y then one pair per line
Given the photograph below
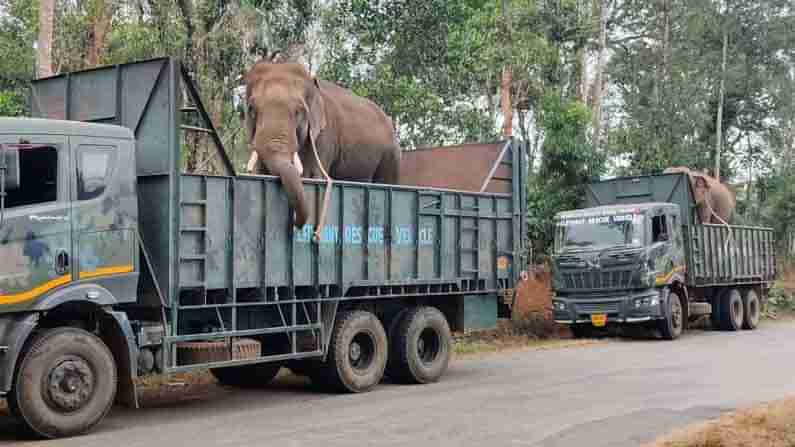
x,y
617,393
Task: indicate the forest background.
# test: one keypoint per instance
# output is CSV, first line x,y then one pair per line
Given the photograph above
x,y
596,87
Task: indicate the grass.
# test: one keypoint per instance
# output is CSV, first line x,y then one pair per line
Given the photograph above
x,y
767,425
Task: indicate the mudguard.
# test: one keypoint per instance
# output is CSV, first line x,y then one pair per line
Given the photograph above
x,y
15,329
118,334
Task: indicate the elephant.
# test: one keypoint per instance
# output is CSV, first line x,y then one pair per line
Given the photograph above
x,y
288,110
715,202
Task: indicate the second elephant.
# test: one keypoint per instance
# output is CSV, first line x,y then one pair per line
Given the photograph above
x,y
714,201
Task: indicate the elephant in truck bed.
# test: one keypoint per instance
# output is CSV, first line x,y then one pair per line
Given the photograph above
x,y
289,110
714,201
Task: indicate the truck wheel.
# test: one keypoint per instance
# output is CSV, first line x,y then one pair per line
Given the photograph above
x,y
394,324
357,354
65,383
247,376
421,348
671,327
715,316
752,309
731,311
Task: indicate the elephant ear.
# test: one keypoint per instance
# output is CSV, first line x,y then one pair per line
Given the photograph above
x,y
316,110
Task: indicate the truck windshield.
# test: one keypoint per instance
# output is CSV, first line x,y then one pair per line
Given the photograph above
x,y
589,232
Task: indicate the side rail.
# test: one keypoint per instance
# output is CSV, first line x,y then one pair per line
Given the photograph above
x,y
722,255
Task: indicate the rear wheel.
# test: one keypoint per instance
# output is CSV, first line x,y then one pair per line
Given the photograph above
x,y
65,383
357,354
420,351
671,327
752,309
731,311
247,376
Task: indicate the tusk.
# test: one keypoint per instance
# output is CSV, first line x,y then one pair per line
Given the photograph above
x,y
298,165
252,162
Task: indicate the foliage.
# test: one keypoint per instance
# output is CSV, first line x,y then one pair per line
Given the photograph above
x,y
568,163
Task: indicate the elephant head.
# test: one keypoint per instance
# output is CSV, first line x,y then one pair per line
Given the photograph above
x,y
285,113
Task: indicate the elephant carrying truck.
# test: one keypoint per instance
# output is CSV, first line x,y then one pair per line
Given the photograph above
x,y
115,264
638,255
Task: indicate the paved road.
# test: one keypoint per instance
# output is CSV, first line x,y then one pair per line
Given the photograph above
x,y
619,393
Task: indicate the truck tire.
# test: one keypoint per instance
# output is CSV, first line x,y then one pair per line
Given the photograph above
x,y
357,354
65,383
674,322
394,325
731,311
421,349
247,376
752,309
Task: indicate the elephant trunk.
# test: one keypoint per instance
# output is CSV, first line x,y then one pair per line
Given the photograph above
x,y
291,180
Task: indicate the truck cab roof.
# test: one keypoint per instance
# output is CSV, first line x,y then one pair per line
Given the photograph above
x,y
39,126
607,210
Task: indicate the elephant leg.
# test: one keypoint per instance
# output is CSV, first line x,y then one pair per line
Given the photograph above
x,y
388,171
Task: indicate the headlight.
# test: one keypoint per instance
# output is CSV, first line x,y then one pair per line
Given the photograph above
x,y
646,302
559,305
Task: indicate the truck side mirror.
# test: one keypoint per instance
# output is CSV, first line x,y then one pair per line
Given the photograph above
x,y
9,168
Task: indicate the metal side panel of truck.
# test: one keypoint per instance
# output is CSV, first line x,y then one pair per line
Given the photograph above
x,y
717,270
162,271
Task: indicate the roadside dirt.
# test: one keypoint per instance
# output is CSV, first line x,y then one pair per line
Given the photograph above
x,y
767,425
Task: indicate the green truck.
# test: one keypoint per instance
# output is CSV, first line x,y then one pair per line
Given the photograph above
x,y
637,255
115,264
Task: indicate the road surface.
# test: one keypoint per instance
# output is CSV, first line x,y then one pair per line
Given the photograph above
x,y
618,393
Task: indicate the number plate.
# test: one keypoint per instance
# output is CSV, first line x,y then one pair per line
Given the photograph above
x,y
599,320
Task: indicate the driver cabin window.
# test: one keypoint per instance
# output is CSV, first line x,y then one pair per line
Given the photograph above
x,y
38,177
93,171
659,229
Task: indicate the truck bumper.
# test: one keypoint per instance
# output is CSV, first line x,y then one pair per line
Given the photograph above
x,y
634,307
14,330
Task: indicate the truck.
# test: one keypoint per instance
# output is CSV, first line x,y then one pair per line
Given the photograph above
x,y
116,264
637,255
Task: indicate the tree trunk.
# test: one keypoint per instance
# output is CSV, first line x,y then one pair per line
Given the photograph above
x,y
44,44
507,77
100,22
721,92
597,89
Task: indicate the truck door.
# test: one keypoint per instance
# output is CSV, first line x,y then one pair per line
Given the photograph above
x,y
103,233
35,219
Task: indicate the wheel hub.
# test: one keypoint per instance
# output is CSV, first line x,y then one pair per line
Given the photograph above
x,y
355,352
70,384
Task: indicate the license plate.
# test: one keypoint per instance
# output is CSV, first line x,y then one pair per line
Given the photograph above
x,y
599,320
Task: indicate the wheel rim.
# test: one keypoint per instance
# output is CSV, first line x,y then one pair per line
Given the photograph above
x,y
70,385
676,314
428,346
361,351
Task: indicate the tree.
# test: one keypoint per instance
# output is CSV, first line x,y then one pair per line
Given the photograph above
x,y
44,43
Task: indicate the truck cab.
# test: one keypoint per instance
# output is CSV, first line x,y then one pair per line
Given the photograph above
x,y
68,214
611,263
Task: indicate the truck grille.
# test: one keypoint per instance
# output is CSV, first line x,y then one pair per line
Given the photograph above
x,y
595,280
597,308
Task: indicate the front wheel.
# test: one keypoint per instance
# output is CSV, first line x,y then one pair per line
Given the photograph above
x,y
672,325
65,383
